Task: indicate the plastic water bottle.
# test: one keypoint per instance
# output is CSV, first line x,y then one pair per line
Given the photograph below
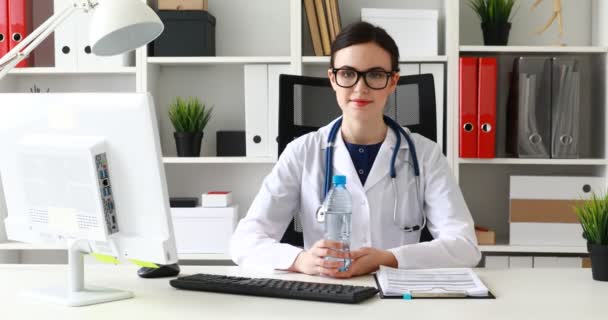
x,y
337,218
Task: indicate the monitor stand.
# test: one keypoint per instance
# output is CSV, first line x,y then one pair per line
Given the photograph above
x,y
76,294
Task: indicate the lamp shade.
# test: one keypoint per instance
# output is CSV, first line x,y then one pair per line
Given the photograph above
x,y
119,26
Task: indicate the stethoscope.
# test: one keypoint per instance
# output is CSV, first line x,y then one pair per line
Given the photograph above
x,y
399,131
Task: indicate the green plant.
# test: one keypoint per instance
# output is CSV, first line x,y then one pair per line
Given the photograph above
x,y
593,216
493,11
189,116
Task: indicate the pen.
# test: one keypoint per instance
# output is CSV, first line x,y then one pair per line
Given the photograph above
x,y
409,295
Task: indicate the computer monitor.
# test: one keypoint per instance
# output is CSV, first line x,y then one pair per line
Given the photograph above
x,y
84,171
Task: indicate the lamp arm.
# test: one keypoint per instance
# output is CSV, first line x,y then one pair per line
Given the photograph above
x,y
33,40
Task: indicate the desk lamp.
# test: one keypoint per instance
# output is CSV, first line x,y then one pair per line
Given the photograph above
x,y
117,26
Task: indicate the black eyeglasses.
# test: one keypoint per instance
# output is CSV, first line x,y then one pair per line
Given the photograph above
x,y
374,79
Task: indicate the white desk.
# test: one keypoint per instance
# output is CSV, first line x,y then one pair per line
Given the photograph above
x,y
569,294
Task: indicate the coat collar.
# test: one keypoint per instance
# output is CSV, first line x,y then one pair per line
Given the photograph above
x,y
343,163
390,137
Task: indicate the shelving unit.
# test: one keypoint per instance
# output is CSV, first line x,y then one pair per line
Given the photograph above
x,y
220,160
179,61
276,33
534,49
555,162
485,182
325,60
56,71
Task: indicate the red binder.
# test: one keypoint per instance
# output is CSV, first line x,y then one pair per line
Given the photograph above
x,y
17,28
3,27
486,108
468,107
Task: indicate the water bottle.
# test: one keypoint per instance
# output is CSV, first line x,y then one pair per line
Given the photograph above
x,y
337,217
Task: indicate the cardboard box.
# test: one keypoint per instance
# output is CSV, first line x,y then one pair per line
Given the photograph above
x,y
204,230
183,5
485,237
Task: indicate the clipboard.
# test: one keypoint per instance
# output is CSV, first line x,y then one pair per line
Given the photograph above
x,y
382,296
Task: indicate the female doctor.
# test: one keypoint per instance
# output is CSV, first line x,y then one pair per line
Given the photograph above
x,y
387,215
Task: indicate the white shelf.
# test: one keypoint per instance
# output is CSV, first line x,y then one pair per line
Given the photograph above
x,y
204,256
27,246
325,59
178,61
575,162
218,160
57,71
18,246
532,49
532,249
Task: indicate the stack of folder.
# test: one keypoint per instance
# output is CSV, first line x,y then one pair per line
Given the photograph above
x,y
477,104
323,18
14,16
543,108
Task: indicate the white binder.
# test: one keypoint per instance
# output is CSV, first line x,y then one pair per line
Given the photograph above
x,y
72,47
257,111
65,39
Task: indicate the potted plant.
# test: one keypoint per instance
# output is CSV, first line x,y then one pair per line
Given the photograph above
x,y
495,16
593,216
189,119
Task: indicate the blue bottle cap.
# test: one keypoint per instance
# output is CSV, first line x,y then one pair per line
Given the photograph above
x,y
339,179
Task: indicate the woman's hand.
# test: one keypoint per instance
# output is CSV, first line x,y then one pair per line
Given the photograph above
x,y
367,260
313,260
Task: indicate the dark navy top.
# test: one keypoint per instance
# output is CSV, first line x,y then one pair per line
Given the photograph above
x,y
363,157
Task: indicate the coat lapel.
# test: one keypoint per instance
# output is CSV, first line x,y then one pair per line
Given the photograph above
x,y
342,162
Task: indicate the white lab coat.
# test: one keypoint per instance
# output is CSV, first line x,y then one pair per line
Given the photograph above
x,y
295,185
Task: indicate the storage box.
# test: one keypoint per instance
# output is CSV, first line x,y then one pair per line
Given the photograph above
x,y
204,230
230,144
485,237
216,199
183,5
414,31
186,34
496,262
541,209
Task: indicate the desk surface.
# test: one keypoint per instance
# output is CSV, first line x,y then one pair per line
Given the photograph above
x,y
521,294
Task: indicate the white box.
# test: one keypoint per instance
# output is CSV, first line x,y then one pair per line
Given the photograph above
x,y
204,230
520,262
558,262
540,209
497,262
414,31
216,199
546,234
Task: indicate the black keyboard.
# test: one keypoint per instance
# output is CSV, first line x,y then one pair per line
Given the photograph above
x,y
275,288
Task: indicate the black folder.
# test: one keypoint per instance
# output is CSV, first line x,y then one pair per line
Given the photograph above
x,y
382,296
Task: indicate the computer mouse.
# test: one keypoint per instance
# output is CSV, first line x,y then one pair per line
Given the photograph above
x,y
163,271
